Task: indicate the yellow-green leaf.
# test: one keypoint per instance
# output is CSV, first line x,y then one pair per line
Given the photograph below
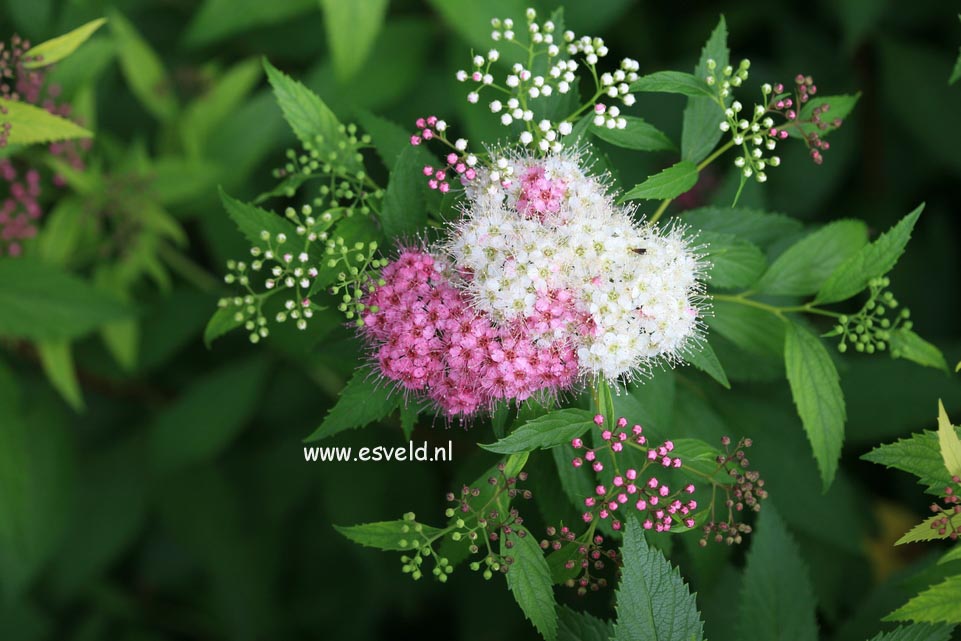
x,y
56,49
30,125
949,442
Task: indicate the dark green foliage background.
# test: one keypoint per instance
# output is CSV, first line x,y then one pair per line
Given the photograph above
x,y
178,505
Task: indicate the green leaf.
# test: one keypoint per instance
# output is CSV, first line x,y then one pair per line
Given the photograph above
x,y
352,28
817,394
806,264
471,20
35,481
956,73
575,482
924,531
252,220
57,360
673,82
916,632
759,227
404,212
753,330
143,69
949,443
194,429
581,626
529,580
62,231
219,19
954,554
703,357
389,138
735,263
387,535
30,125
937,604
653,602
904,343
365,399
40,302
839,107
777,600
669,183
700,458
205,113
638,135
920,455
548,431
310,118
222,321
56,49
871,261
702,115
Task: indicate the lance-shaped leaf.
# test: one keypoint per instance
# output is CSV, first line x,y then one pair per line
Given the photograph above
x,y
545,432
56,49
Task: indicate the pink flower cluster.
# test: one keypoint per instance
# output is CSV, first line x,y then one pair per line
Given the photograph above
x,y
540,196
660,506
20,208
425,336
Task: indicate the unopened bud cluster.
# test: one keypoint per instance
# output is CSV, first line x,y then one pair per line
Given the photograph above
x,y
949,523
744,494
870,329
589,557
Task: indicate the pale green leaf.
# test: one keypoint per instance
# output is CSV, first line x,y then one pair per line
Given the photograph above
x,y
871,261
388,535
904,343
529,580
777,600
143,69
806,264
673,82
734,263
817,394
638,135
926,530
40,302
56,49
364,399
669,183
56,356
653,602
352,28
941,603
30,125
700,132
545,432
948,442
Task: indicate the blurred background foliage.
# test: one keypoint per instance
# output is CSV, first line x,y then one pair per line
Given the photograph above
x,y
171,501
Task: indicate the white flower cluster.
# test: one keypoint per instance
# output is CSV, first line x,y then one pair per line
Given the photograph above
x,y
635,287
522,86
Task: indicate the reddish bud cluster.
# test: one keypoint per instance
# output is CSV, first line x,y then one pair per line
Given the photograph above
x,y
945,525
745,494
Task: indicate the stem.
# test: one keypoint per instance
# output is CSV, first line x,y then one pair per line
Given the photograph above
x,y
704,163
807,308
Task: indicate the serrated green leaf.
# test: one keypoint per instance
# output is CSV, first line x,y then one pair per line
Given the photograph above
x,y
806,264
700,132
817,394
759,227
916,632
638,135
143,69
904,343
252,220
777,601
673,82
734,263
581,626
30,125
703,357
871,261
529,580
192,429
948,442
40,302
310,118
924,531
56,357
56,49
669,183
937,604
352,28
918,454
365,399
387,535
653,602
404,212
545,432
